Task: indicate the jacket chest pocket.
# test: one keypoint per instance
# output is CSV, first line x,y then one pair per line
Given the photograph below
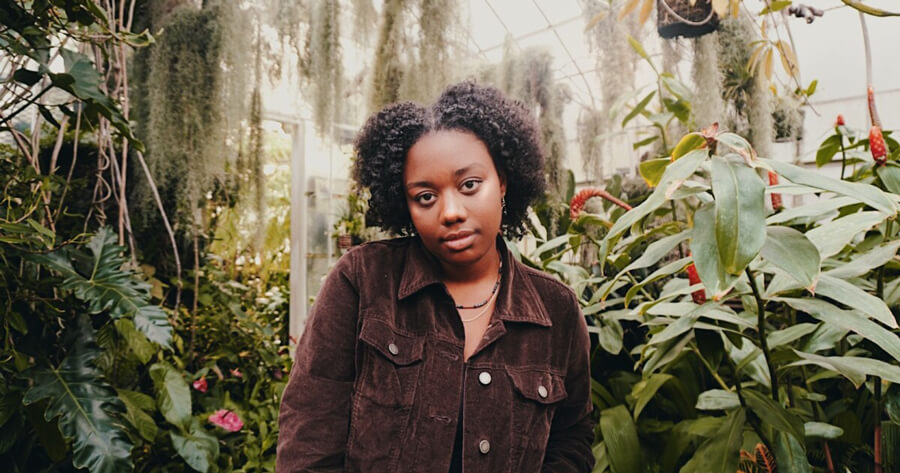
x,y
392,362
538,391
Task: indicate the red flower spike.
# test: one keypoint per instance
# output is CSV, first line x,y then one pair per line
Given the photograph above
x,y
877,145
839,121
200,385
581,198
699,295
776,197
873,112
227,420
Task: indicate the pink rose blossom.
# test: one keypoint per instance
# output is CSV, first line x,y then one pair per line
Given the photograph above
x,y
236,373
200,385
227,420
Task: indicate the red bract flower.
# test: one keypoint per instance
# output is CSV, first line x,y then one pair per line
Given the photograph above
x,y
877,146
776,197
200,385
699,295
227,420
581,198
839,121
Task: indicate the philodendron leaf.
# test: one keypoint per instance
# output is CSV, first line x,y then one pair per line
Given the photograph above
x,y
110,287
705,252
621,439
833,236
790,455
853,368
721,452
83,402
740,212
855,298
717,399
822,430
172,394
791,251
198,448
866,193
849,320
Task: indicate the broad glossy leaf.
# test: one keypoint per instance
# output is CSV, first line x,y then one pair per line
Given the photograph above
x,y
110,287
866,193
137,342
644,390
822,430
657,250
855,298
749,359
198,448
638,108
824,337
790,454
740,213
791,251
790,334
815,209
601,458
717,399
721,452
667,270
621,439
172,394
853,368
890,177
609,335
849,320
863,263
652,170
688,143
833,236
773,414
828,149
139,419
737,144
705,251
84,404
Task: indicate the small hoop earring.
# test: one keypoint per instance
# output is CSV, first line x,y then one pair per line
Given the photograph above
x,y
503,204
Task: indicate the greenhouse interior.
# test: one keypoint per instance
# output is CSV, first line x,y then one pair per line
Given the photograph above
x,y
719,194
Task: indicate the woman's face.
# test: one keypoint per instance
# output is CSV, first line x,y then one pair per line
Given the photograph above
x,y
454,196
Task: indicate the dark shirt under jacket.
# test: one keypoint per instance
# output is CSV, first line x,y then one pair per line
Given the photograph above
x,y
379,376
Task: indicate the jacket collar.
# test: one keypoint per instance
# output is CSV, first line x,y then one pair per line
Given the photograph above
x,y
517,299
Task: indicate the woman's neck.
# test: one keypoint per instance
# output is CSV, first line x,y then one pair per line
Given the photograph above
x,y
486,267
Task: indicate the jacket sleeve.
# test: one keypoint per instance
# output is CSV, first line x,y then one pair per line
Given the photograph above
x,y
572,429
315,408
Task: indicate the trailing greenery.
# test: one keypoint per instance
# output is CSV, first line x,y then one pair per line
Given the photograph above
x,y
325,67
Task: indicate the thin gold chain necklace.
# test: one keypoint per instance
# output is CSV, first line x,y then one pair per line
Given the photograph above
x,y
487,305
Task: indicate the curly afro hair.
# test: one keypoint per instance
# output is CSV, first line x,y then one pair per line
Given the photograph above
x,y
506,127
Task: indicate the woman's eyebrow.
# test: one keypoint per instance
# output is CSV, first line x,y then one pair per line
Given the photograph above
x,y
467,169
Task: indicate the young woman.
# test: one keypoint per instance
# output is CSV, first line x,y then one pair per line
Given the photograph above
x,y
439,351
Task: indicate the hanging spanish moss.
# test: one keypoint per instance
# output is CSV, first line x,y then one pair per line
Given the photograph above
x,y
708,106
438,23
365,19
590,129
671,50
387,74
325,63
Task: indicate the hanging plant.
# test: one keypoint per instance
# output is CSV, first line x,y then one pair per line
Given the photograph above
x,y
708,105
388,72
325,63
687,18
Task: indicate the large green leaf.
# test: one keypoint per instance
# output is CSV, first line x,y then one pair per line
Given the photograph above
x,y
855,298
773,414
652,170
601,458
717,399
107,286
828,149
863,263
791,251
853,368
833,236
890,177
720,453
705,252
198,448
644,390
822,430
638,109
866,193
812,210
790,455
688,143
83,403
740,212
790,334
849,320
621,439
172,394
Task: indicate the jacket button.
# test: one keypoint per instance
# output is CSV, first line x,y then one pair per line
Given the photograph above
x,y
484,446
484,378
542,391
393,349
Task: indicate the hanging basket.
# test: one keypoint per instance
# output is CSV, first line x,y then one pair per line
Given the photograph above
x,y
679,18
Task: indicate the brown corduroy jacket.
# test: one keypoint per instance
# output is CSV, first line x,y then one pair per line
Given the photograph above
x,y
379,377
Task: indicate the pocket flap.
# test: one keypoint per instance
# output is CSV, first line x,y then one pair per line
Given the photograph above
x,y
399,348
539,385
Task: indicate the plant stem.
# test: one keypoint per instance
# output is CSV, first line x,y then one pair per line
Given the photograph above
x,y
843,158
709,367
675,219
751,418
761,329
878,409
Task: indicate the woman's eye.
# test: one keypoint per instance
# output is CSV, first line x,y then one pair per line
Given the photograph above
x,y
424,198
471,184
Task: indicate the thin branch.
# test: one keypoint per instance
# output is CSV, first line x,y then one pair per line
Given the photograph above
x,y
761,330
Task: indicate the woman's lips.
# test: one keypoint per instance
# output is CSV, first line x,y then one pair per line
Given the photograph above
x,y
459,242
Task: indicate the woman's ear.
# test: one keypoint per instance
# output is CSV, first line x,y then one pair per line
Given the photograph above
x,y
502,184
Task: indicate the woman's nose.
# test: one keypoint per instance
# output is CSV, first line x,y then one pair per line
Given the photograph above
x,y
453,210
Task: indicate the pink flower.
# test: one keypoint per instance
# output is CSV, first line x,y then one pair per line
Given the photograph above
x,y
200,385
227,420
236,373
